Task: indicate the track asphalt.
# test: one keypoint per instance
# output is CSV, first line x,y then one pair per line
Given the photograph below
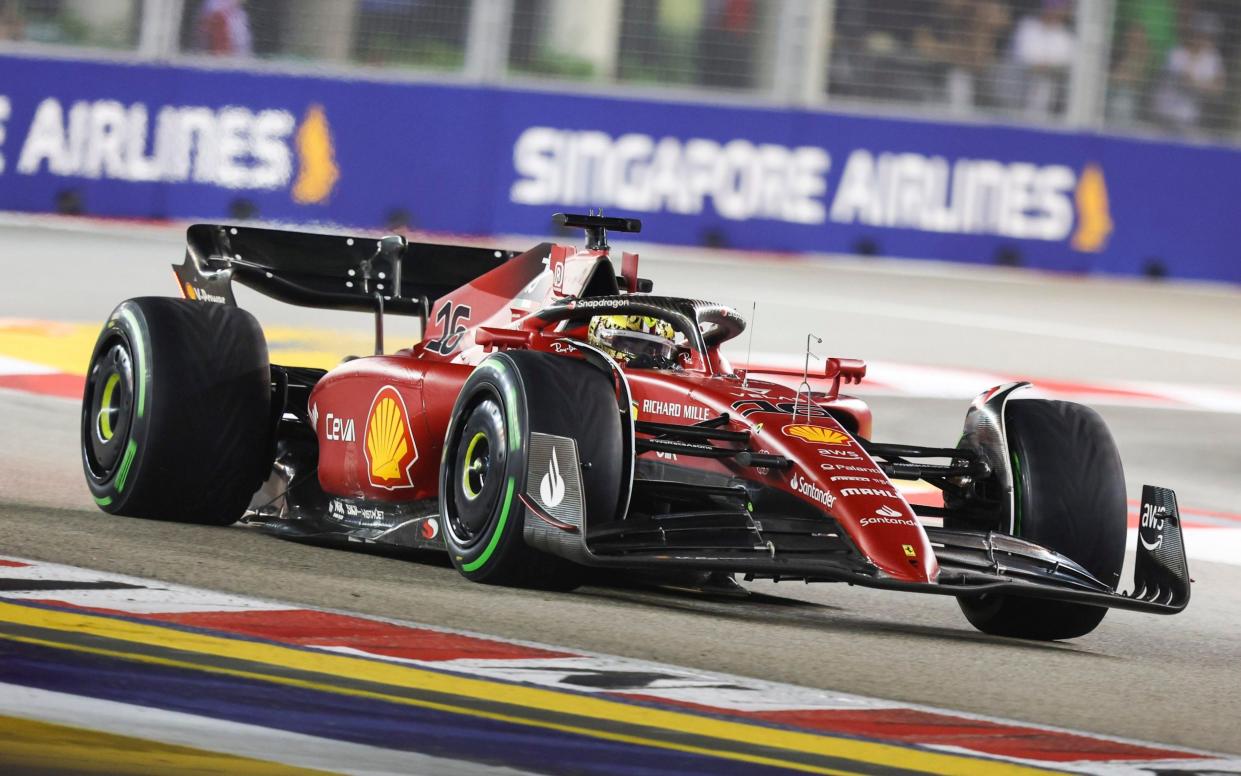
x,y
1168,679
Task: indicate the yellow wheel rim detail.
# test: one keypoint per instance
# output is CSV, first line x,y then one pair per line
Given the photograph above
x,y
105,407
469,465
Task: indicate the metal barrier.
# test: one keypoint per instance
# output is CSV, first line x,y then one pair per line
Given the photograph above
x,y
107,24
1163,67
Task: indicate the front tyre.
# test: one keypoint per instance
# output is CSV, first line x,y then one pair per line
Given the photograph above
x,y
176,411
1069,495
484,490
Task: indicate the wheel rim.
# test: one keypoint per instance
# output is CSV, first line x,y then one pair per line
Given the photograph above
x,y
477,465
107,410
477,474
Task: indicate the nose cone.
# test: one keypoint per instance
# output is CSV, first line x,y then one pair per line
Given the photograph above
x,y
832,469
883,526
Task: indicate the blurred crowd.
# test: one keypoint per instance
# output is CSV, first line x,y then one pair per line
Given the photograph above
x,y
1173,66
1168,65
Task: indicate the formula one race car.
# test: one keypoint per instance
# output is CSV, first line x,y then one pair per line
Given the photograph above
x,y
557,415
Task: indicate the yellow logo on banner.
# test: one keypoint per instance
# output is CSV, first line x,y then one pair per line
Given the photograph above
x,y
317,171
1094,217
390,450
819,435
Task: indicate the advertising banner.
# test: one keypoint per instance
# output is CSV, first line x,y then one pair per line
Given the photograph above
x,y
146,141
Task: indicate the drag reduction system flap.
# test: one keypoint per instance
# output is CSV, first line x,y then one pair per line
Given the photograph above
x,y
337,272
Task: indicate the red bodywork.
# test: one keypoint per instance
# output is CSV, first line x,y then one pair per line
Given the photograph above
x,y
381,421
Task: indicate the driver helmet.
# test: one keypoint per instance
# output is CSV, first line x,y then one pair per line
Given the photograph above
x,y
636,340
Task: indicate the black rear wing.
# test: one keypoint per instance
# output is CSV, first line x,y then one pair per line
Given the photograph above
x,y
333,272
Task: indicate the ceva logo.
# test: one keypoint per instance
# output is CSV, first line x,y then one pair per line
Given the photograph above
x,y
231,147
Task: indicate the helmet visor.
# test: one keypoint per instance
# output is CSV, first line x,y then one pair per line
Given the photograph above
x,y
639,345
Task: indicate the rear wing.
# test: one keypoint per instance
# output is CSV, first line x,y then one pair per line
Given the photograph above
x,y
333,272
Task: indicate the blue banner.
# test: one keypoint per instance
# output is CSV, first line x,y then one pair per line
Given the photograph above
x,y
145,141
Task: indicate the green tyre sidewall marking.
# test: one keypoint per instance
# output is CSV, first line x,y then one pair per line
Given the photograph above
x,y
124,322
138,346
479,558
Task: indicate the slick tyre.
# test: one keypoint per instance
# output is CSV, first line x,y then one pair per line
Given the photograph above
x,y
1069,495
483,475
176,412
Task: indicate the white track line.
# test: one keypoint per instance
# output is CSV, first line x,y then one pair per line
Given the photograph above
x,y
712,689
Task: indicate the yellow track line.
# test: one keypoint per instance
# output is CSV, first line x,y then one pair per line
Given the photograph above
x,y
66,347
34,747
521,696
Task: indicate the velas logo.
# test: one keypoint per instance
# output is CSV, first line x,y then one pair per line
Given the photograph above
x,y
390,448
819,435
551,487
232,147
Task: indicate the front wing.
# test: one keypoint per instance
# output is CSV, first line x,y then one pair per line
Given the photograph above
x,y
974,563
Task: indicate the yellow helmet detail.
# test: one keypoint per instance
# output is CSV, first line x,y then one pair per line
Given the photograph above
x,y
639,340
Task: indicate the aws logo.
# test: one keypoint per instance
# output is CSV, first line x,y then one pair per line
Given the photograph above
x,y
232,147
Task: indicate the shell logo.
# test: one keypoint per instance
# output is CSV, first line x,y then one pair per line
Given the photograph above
x,y
390,448
819,435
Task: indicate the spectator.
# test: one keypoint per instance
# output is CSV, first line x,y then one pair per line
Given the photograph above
x,y
11,25
726,44
1193,77
1043,48
960,40
223,28
873,53
1157,18
1130,76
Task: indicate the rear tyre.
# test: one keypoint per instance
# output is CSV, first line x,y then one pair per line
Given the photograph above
x,y
1069,495
176,412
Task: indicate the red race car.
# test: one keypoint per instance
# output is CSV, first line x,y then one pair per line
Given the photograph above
x,y
557,416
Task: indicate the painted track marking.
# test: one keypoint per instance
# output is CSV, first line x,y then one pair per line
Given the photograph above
x,y
799,711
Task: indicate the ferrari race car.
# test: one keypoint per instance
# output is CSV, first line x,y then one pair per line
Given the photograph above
x,y
557,415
